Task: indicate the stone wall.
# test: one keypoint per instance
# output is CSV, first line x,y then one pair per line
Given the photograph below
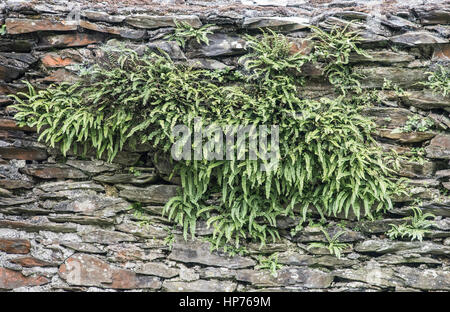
x,y
65,224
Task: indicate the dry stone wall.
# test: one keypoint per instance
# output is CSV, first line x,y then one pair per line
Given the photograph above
x,y
65,222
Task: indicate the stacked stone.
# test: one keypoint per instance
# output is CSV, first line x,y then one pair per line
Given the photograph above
x,y
65,223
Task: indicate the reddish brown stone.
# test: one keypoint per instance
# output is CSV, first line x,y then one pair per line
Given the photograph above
x,y
37,225
71,40
16,26
54,60
11,152
15,246
31,262
405,137
442,52
100,28
59,75
9,124
53,172
10,279
301,46
15,184
123,279
87,270
439,147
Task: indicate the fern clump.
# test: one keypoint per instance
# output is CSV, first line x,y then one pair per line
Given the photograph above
x,y
184,32
415,226
334,48
326,159
439,81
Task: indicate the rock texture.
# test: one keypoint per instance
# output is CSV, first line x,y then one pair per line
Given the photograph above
x,y
65,224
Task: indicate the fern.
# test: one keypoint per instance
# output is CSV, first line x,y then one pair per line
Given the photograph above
x,y
330,161
415,228
333,245
184,32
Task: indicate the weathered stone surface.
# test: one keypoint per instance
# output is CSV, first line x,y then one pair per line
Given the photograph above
x,y
153,194
53,171
219,45
314,234
91,205
412,169
83,247
86,270
102,16
142,178
30,262
151,22
388,117
439,147
157,269
170,47
92,166
16,45
406,259
441,52
199,286
403,77
425,99
441,208
70,40
379,226
11,152
297,259
5,202
405,137
433,15
413,38
417,193
279,23
204,63
384,56
21,25
38,224
384,246
145,231
199,252
53,60
106,237
64,186
15,245
428,279
101,28
372,274
11,279
126,252
442,173
15,184
438,208
11,69
87,220
304,277
399,277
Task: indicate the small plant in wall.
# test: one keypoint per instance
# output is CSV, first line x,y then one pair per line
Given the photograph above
x,y
439,81
269,263
415,227
333,245
416,123
184,32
